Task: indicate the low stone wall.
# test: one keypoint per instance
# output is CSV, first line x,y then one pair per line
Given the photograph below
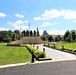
x,y
14,45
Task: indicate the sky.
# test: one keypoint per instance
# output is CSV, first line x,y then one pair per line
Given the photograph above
x,y
54,16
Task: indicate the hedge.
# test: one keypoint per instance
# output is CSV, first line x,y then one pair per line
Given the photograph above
x,y
39,53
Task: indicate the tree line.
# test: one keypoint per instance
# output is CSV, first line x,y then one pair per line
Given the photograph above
x,y
30,33
47,37
69,36
8,36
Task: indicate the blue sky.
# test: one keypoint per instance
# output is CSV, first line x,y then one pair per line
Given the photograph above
x,y
55,16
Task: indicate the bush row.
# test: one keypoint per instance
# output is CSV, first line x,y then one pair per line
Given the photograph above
x,y
37,52
61,49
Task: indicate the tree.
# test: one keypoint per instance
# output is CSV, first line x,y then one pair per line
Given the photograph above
x,y
10,33
27,33
58,38
45,35
4,35
67,33
43,38
50,38
23,33
1,37
35,33
13,37
67,37
18,35
9,36
31,33
38,32
73,34
9,39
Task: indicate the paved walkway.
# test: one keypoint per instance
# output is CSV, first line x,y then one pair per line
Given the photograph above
x,y
55,54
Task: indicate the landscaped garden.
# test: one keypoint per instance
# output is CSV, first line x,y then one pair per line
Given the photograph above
x,y
16,54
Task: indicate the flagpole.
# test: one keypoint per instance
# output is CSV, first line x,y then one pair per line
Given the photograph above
x,y
20,31
29,29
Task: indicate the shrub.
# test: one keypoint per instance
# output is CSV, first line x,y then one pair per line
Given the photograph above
x,y
74,50
39,53
69,50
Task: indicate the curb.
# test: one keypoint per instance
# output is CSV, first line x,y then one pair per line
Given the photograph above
x,y
13,65
37,62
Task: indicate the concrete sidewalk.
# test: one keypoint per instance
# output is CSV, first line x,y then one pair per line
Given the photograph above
x,y
55,54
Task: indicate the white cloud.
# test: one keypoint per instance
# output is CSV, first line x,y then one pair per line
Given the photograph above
x,y
70,15
19,15
18,24
2,15
10,23
74,21
22,27
54,13
26,21
50,14
45,24
2,29
37,18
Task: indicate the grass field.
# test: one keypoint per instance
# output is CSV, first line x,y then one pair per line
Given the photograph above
x,y
71,46
13,54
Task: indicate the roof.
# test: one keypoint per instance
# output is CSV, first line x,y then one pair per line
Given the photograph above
x,y
54,35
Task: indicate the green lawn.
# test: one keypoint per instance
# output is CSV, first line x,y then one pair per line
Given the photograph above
x,y
13,54
67,45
